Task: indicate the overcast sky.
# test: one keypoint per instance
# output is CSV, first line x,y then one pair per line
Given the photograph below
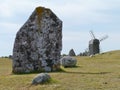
x,y
78,16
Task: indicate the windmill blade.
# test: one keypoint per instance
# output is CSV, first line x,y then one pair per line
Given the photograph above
x,y
92,34
103,38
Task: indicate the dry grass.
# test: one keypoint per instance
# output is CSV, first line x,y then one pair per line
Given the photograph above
x,y
101,72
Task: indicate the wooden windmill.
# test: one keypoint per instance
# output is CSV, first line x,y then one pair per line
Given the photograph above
x,y
94,44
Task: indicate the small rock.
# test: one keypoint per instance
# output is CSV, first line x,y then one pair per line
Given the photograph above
x,y
40,78
68,61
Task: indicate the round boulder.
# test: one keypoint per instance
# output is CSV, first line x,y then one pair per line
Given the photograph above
x,y
41,78
68,61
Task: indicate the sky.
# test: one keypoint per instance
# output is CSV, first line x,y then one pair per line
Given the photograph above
x,y
78,16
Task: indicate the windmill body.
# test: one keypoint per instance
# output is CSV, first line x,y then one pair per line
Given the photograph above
x,y
94,46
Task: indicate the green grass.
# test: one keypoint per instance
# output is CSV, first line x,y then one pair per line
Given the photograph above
x,y
101,72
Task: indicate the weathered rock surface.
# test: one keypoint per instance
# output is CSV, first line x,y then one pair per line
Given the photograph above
x,y
38,43
72,53
41,78
68,61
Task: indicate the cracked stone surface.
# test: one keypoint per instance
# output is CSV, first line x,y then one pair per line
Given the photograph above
x,y
38,43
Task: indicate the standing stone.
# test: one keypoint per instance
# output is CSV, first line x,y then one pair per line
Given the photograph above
x,y
72,53
38,43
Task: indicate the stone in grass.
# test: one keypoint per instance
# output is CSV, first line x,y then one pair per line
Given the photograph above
x,y
41,78
68,61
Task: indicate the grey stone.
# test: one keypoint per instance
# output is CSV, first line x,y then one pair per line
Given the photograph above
x,y
68,61
72,53
41,78
38,43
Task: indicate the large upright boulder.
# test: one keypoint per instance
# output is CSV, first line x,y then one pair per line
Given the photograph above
x,y
38,43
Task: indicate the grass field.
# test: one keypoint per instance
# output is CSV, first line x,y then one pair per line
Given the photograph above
x,y
101,72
